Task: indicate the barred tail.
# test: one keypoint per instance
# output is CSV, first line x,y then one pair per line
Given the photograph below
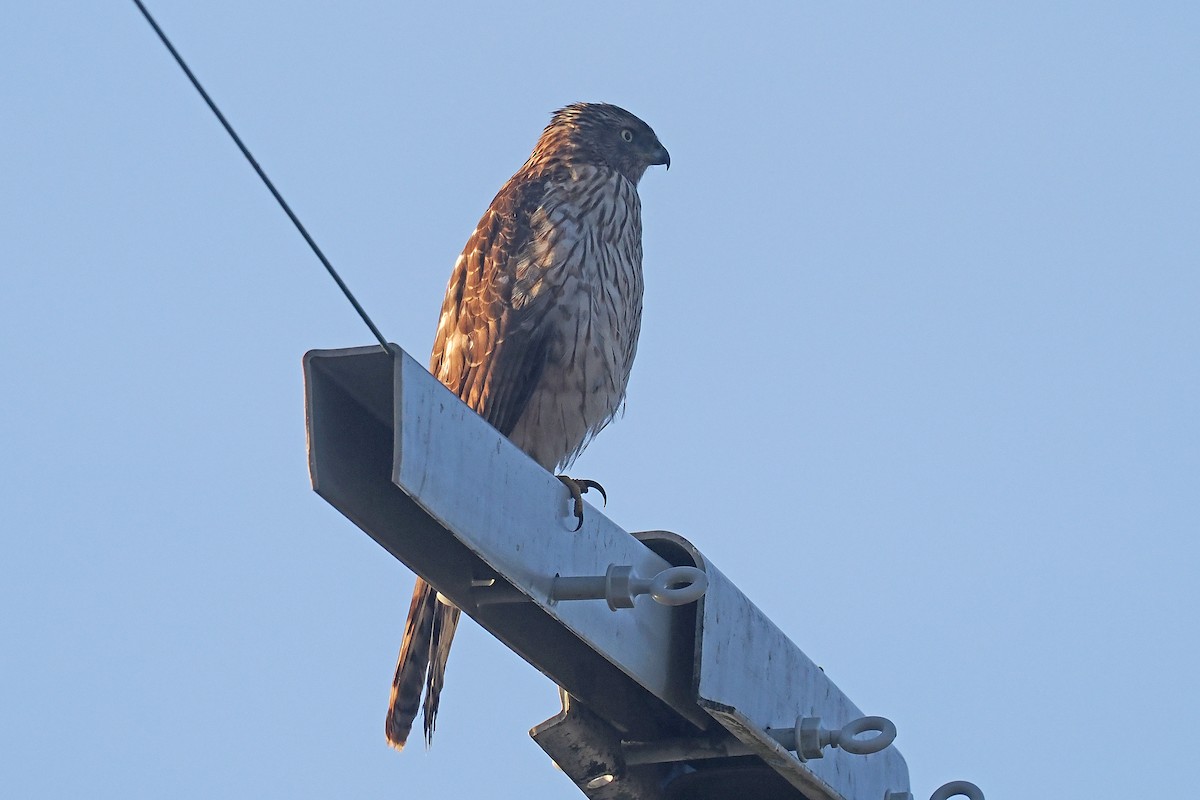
x,y
411,666
421,666
445,621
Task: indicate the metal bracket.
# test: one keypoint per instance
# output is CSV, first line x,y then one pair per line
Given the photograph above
x,y
809,739
675,586
588,751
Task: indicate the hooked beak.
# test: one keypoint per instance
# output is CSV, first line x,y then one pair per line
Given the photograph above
x,y
661,156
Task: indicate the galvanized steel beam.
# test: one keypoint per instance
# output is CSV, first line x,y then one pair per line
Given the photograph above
x,y
445,493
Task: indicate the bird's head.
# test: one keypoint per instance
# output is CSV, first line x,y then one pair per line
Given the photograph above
x,y
601,133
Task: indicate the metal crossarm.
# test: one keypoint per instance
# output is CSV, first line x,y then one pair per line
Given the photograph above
x,y
661,700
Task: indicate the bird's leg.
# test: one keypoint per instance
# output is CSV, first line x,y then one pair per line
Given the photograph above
x,y
577,487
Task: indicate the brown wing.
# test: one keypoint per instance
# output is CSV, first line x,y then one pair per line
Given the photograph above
x,y
489,350
491,354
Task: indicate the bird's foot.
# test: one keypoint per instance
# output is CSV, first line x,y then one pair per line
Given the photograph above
x,y
578,487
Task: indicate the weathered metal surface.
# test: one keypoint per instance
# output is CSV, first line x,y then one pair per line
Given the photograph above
x,y
751,677
489,514
588,750
446,494
516,517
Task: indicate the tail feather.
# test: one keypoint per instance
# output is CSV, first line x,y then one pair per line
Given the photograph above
x,y
421,666
445,621
412,665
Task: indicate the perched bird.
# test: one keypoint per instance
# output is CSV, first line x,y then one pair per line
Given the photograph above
x,y
538,330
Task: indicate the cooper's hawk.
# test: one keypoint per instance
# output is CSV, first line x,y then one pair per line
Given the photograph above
x,y
539,329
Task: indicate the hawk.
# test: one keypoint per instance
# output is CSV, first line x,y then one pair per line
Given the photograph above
x,y
538,330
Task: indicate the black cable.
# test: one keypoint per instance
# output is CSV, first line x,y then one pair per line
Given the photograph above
x,y
246,152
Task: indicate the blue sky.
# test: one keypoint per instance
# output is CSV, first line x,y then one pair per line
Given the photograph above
x,y
919,371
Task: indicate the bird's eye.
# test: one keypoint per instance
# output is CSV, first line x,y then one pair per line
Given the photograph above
x,y
627,135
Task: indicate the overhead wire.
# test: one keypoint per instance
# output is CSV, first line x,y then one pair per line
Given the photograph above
x,y
271,186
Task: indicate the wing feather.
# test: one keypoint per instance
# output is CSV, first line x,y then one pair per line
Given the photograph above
x,y
489,350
